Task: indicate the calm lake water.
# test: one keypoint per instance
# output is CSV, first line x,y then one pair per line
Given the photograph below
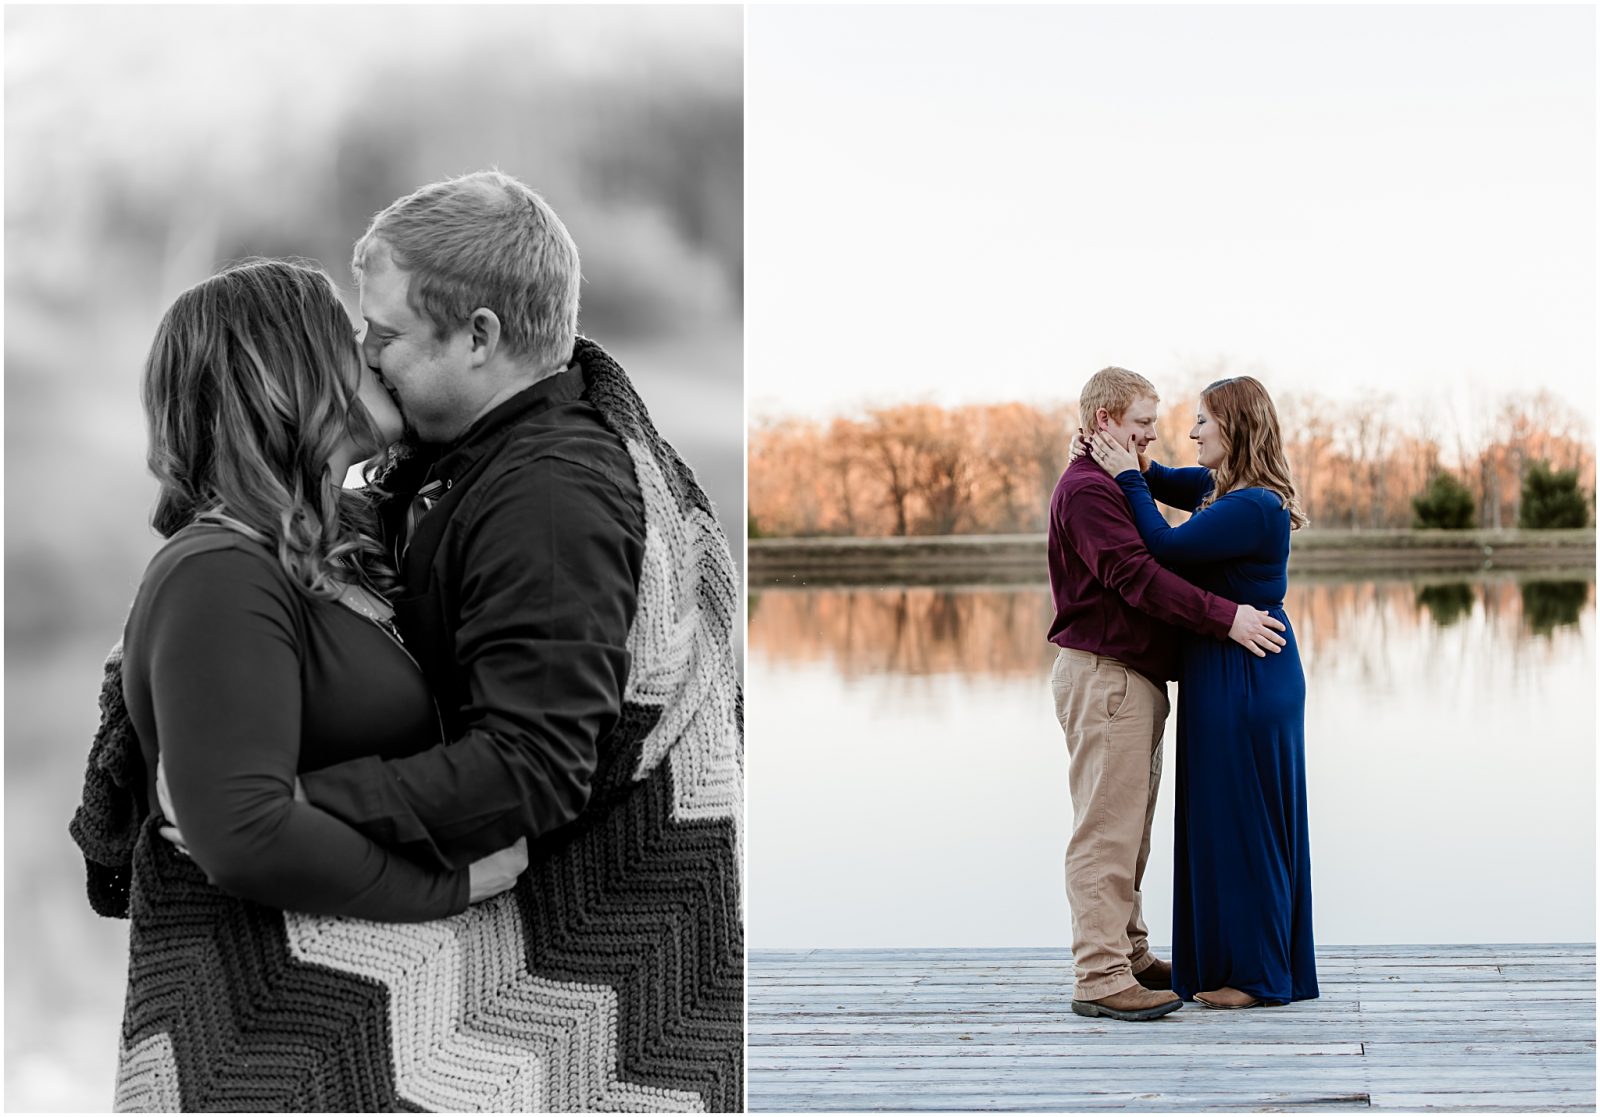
x,y
907,780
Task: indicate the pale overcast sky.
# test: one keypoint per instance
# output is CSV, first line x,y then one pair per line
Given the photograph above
x,y
964,204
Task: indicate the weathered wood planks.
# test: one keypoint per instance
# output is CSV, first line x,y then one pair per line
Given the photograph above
x,y
1450,1027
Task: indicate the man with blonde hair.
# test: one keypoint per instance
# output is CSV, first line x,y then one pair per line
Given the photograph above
x,y
569,595
1117,615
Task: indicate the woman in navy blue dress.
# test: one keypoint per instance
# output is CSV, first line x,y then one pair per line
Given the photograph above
x,y
1241,920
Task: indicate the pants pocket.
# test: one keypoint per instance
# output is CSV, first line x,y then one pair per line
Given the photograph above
x,y
1116,691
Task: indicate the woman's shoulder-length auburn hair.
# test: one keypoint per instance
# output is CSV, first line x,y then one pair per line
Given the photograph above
x,y
1255,459
249,390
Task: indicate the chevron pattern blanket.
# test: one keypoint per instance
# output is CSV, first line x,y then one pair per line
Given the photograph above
x,y
611,978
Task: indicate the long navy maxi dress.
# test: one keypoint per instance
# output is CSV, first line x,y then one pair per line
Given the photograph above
x,y
1241,896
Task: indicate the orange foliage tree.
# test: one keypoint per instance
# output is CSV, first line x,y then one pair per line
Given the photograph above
x,y
921,469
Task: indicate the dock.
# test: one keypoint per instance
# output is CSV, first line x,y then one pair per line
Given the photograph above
x,y
1453,1027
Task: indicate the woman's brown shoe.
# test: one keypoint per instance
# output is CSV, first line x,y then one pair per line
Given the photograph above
x,y
1226,997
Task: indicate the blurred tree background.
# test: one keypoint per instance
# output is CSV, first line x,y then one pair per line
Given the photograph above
x,y
1372,464
145,147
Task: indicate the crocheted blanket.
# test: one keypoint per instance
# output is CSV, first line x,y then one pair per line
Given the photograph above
x,y
610,978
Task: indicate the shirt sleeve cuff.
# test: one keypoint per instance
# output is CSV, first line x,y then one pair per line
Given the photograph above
x,y
462,895
1221,611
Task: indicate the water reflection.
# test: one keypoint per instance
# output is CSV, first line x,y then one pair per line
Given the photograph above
x,y
1448,603
918,630
1549,605
908,780
936,630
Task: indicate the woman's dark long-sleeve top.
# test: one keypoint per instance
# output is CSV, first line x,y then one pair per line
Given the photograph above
x,y
1236,547
238,680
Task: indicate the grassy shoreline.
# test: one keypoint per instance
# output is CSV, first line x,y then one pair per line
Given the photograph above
x,y
1008,558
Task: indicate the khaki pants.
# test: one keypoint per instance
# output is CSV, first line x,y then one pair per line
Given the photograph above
x,y
1112,717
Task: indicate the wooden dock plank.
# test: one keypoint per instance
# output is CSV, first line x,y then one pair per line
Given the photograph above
x,y
1457,1027
1061,1101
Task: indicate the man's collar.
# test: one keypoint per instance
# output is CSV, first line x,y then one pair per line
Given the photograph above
x,y
564,387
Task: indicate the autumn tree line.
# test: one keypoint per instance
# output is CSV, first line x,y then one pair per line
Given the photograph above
x,y
922,469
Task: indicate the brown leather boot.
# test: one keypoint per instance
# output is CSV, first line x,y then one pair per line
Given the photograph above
x,y
1228,997
1131,1004
1157,975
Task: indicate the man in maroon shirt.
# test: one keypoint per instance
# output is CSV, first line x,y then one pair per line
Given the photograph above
x,y
1116,609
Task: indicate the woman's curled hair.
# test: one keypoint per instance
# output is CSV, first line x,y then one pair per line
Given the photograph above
x,y
1254,457
250,388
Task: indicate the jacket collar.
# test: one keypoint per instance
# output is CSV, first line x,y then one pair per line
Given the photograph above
x,y
482,436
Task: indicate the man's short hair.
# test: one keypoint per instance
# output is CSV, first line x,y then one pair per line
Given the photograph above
x,y
486,240
1114,389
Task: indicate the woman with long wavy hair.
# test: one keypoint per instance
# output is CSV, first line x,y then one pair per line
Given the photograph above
x,y
1241,921
259,645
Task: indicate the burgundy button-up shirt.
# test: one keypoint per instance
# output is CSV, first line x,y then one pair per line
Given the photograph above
x,y
1112,598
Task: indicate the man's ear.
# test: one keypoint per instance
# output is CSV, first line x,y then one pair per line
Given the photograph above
x,y
1102,418
485,328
